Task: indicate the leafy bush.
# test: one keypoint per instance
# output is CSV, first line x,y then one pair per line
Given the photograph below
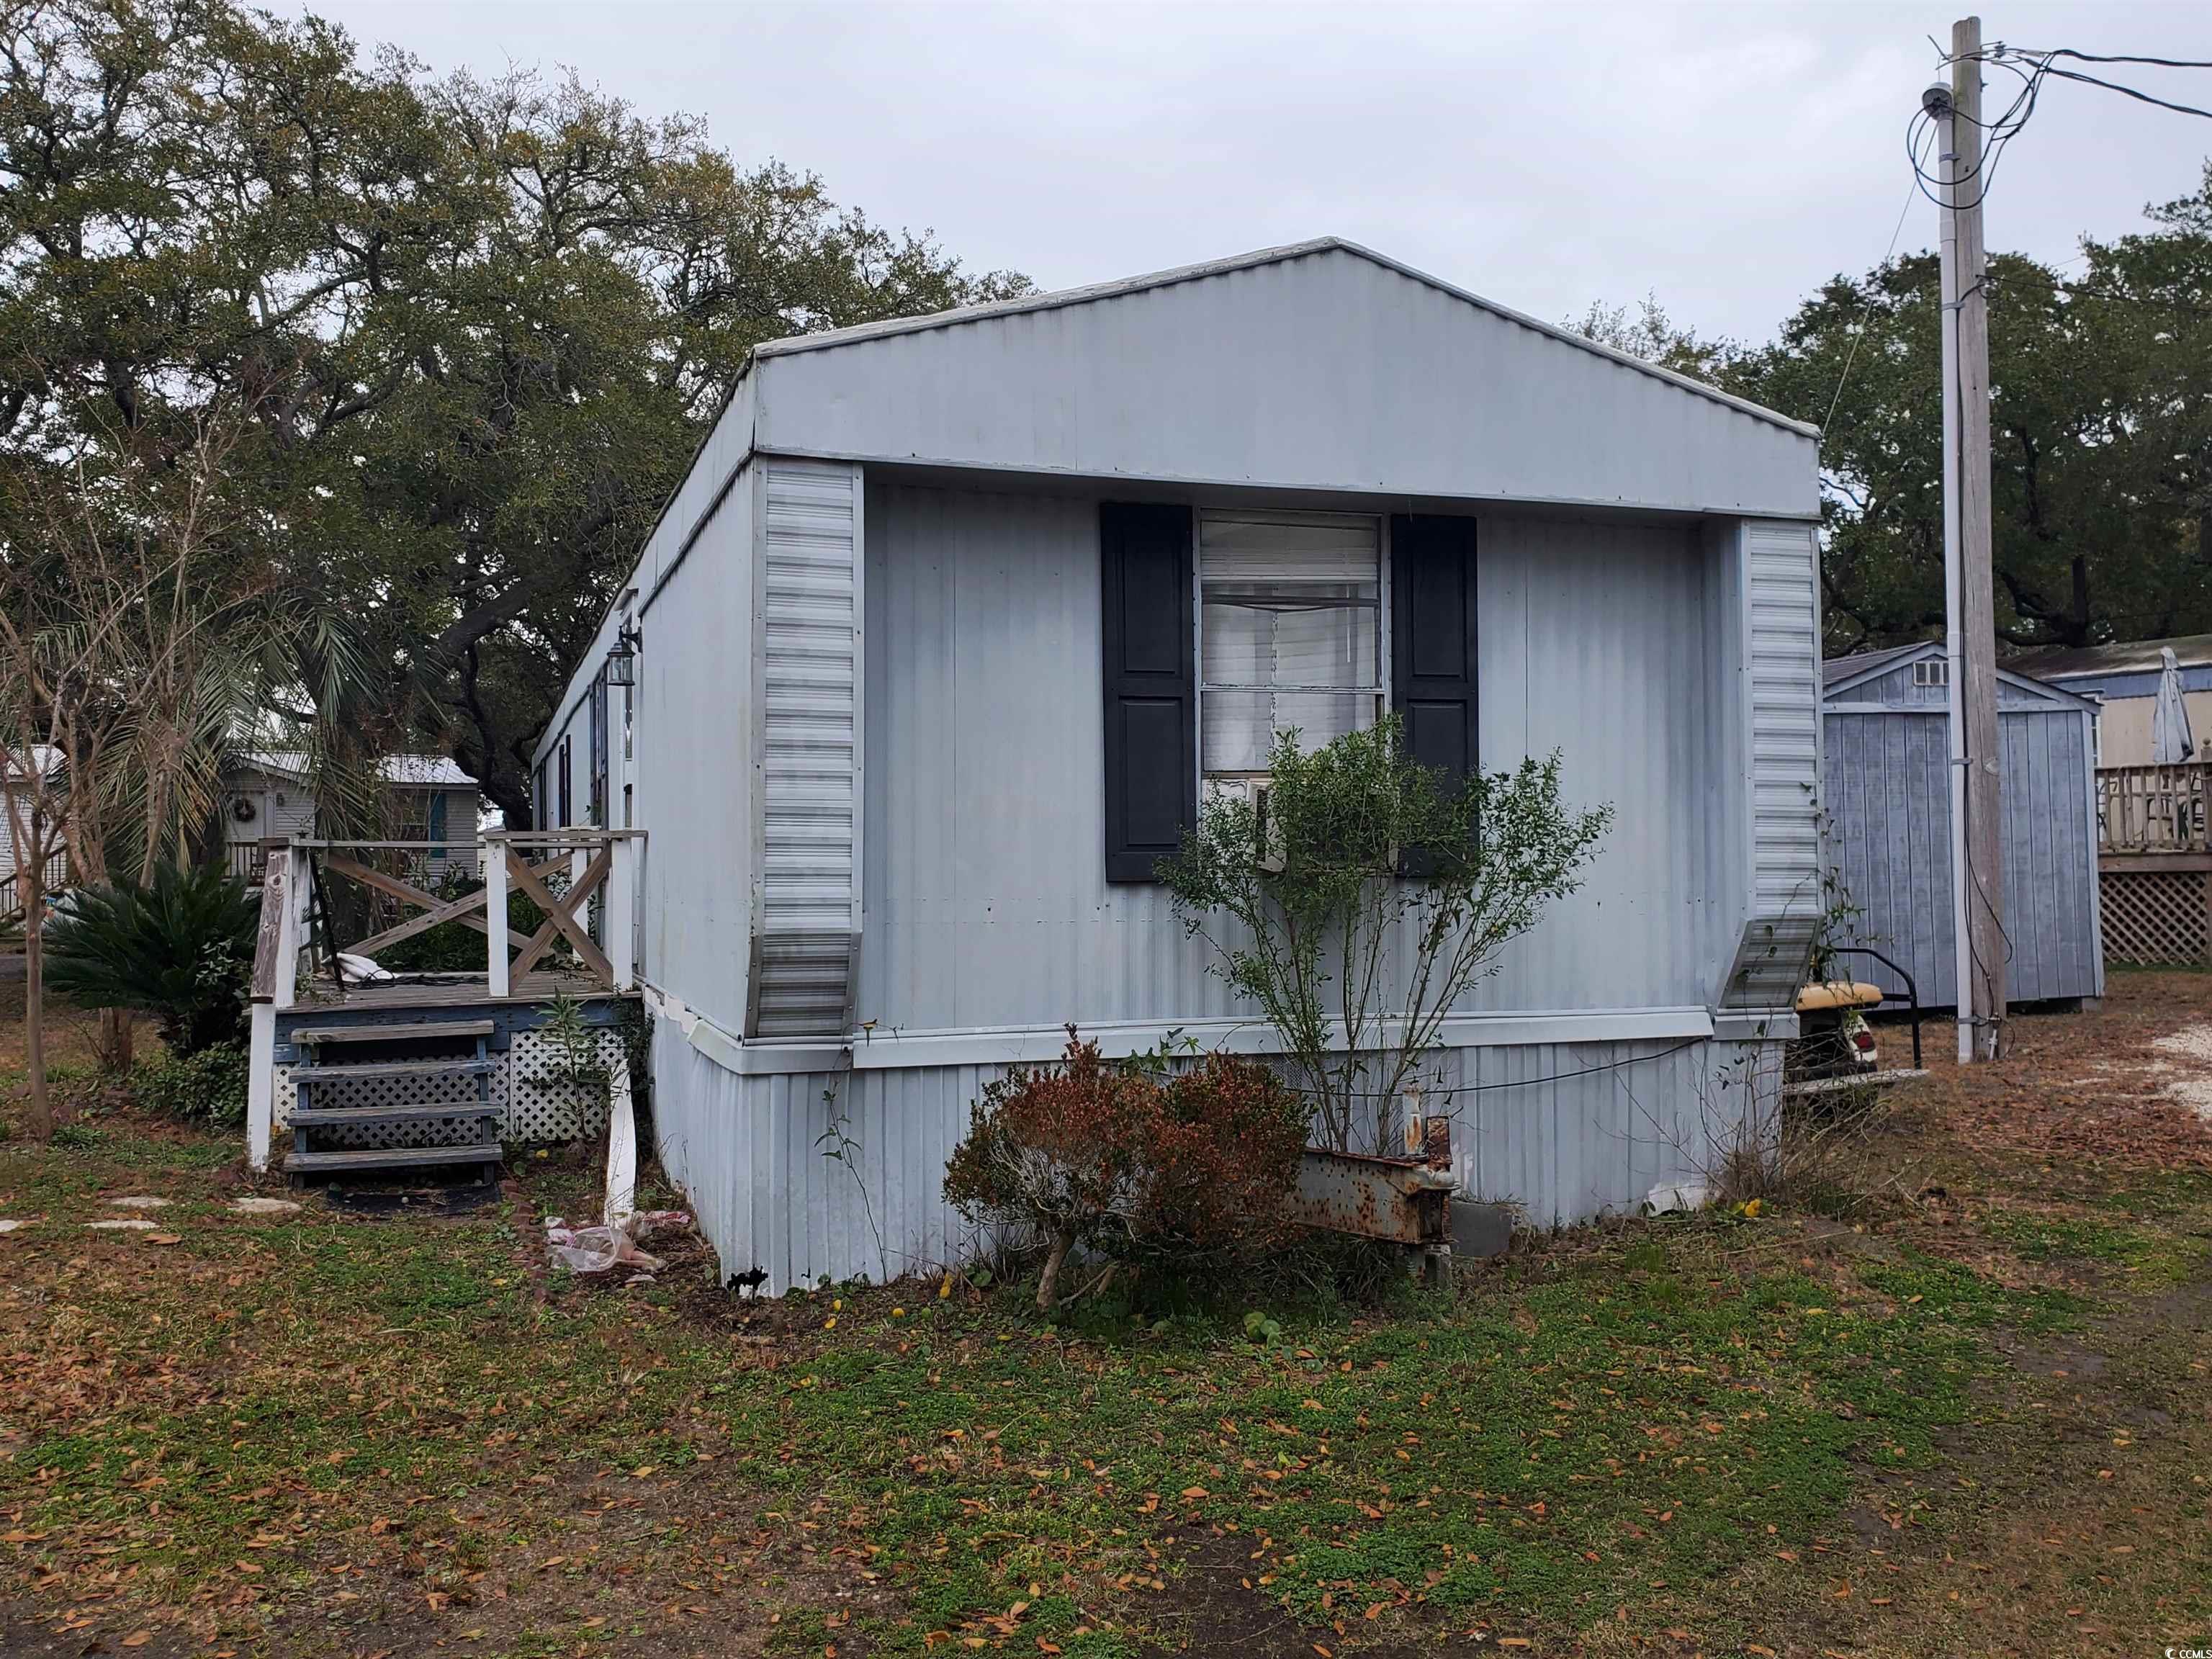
x,y
207,1087
180,949
1111,1159
1367,899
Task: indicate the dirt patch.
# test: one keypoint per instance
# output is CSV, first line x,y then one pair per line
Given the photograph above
x,y
2053,1358
2191,1045
1215,1609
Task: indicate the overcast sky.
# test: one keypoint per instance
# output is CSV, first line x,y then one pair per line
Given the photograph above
x,y
1728,158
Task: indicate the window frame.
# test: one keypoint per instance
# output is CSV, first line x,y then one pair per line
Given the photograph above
x,y
1384,662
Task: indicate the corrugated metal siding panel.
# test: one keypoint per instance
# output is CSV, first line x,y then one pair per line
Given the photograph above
x,y
751,1154
696,794
1569,1132
1782,674
1325,372
811,666
1888,831
987,903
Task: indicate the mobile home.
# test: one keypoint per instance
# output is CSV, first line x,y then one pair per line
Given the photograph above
x,y
934,651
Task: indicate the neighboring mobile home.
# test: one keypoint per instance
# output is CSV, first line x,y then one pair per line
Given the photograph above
x,y
934,651
1887,794
266,795
2122,680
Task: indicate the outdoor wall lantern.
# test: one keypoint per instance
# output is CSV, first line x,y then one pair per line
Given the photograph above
x,y
621,656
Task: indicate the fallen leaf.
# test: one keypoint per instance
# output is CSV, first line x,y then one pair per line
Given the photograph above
x,y
164,1238
137,1638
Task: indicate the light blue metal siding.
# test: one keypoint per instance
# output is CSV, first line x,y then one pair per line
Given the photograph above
x,y
1329,370
1567,1131
807,633
1886,824
987,904
697,795
1782,712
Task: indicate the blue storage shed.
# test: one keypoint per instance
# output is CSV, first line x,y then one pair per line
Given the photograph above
x,y
1887,825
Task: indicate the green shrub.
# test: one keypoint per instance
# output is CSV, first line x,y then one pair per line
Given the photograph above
x,y
207,1087
1367,898
180,949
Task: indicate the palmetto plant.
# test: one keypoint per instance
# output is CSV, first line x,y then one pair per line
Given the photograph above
x,y
180,948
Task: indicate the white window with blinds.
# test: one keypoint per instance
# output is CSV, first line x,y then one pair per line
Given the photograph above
x,y
1290,634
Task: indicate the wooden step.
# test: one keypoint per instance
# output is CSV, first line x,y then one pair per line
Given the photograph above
x,y
392,1157
319,1117
396,1068
425,1032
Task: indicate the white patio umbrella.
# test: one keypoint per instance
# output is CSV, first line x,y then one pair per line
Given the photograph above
x,y
2170,741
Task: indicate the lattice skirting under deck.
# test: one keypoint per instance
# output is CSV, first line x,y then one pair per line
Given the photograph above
x,y
537,1101
2155,915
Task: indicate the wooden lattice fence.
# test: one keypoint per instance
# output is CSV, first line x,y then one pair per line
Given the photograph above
x,y
2155,915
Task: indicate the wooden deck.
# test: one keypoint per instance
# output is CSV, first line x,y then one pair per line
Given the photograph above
x,y
582,881
453,991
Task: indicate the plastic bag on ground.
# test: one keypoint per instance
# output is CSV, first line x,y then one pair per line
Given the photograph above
x,y
596,1249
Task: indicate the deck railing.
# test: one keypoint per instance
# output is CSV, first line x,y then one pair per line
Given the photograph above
x,y
2151,809
583,881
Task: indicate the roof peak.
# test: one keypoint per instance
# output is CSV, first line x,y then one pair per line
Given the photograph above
x,y
1055,298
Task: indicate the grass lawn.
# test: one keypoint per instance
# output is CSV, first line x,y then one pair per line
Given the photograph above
x,y
1970,1412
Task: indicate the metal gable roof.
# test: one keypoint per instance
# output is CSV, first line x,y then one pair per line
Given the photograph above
x,y
1838,671
2120,657
830,338
1840,675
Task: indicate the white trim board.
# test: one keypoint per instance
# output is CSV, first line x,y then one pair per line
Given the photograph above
x,y
874,1050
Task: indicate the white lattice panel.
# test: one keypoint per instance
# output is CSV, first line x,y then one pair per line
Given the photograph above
x,y
341,1094
428,1132
544,1105
536,1102
2154,915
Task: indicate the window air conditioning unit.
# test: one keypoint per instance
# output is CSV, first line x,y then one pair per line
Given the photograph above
x,y
1255,792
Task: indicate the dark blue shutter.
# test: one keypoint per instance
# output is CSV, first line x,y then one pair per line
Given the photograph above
x,y
1432,639
1152,703
599,746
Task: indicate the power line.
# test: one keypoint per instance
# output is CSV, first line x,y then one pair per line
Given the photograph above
x,y
1505,1083
2124,58
2006,127
2136,94
1852,355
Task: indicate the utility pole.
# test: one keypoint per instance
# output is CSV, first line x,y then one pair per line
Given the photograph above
x,y
1976,850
